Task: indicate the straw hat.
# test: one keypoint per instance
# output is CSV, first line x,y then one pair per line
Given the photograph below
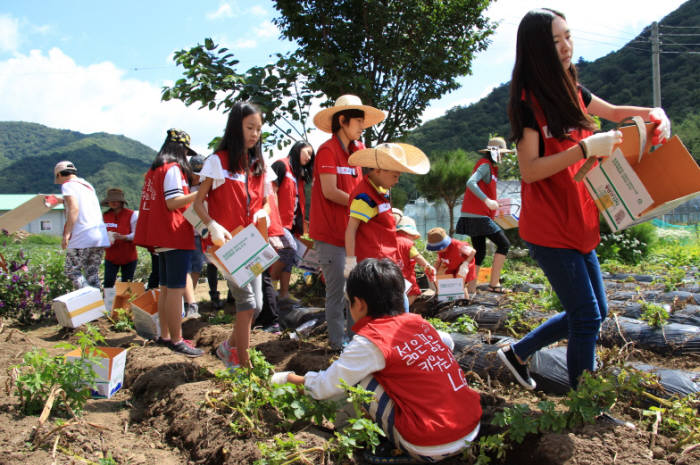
x,y
404,158
437,239
407,225
114,195
497,143
323,118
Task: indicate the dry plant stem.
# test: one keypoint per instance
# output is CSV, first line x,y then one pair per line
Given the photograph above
x,y
619,330
55,445
690,448
70,453
655,430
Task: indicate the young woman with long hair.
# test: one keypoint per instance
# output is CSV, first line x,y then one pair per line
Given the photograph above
x,y
550,122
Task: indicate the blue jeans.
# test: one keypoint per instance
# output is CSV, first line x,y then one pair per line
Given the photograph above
x,y
576,279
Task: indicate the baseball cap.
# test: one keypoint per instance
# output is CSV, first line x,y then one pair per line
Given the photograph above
x,y
63,166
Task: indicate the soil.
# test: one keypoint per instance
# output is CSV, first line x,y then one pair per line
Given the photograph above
x,y
161,415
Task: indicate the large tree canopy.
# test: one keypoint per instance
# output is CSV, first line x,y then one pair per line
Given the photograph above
x,y
396,55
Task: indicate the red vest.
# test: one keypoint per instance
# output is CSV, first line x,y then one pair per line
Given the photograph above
x,y
275,227
557,211
327,220
157,226
121,252
290,195
453,259
433,404
473,204
406,263
235,202
377,237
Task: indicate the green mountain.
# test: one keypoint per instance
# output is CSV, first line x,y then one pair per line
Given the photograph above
x,y
28,152
622,77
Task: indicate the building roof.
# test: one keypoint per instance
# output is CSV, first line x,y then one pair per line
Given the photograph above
x,y
12,201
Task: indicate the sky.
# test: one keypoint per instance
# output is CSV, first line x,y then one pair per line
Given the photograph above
x,y
99,66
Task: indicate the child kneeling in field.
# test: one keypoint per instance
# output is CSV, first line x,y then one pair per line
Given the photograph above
x,y
422,400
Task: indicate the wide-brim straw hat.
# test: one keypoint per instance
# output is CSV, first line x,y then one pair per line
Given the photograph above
x,y
392,156
114,195
408,225
323,119
497,143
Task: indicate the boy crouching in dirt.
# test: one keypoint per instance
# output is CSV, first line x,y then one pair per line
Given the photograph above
x,y
422,401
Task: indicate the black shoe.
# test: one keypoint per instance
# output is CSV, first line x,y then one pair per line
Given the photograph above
x,y
519,370
187,350
163,342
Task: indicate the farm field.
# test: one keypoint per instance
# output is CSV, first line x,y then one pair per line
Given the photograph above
x,y
173,410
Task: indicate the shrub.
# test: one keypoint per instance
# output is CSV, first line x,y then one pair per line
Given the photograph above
x,y
24,293
629,246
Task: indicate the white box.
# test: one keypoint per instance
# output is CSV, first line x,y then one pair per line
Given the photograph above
x,y
246,255
449,289
78,307
109,367
307,256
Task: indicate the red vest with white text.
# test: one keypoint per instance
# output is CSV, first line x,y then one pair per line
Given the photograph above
x,y
433,404
473,204
377,237
557,211
452,257
157,226
121,252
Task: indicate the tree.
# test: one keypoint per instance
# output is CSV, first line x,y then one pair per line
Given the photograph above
x,y
279,89
447,179
396,55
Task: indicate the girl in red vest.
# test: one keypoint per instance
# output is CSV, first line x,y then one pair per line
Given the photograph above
x,y
454,257
162,226
121,226
293,173
548,111
422,400
478,209
233,185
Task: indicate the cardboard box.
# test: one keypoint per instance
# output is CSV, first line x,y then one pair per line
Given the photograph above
x,y
124,292
30,210
246,255
635,185
109,367
484,275
449,288
507,214
144,309
78,307
307,256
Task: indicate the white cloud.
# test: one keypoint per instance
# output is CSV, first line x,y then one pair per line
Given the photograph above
x,y
257,10
265,30
9,33
51,89
225,10
245,43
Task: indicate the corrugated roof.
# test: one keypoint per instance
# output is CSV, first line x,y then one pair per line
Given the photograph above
x,y
12,201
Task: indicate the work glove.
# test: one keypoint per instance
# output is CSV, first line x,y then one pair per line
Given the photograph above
x,y
218,233
662,131
350,263
601,144
463,270
430,272
491,204
262,213
279,378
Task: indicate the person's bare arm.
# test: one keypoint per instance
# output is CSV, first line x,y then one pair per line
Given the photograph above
x,y
180,201
350,234
535,168
615,113
329,188
202,193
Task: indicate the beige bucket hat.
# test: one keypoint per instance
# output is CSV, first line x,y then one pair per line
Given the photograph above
x,y
114,195
408,225
392,156
323,118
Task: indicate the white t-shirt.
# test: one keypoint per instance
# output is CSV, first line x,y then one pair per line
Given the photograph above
x,y
89,230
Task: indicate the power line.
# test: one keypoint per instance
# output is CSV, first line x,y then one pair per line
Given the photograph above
x,y
679,35
678,27
689,52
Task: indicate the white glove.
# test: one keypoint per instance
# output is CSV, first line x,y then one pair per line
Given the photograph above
x,y
279,378
262,213
601,144
463,270
350,263
218,233
491,204
662,131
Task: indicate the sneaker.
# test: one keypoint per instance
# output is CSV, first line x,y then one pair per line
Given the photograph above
x,y
192,311
186,349
519,370
273,328
228,355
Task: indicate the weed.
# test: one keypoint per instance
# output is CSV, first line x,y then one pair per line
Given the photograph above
x,y
654,315
221,318
464,324
679,418
123,319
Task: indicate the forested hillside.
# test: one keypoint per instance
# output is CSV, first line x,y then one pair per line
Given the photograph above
x,y
28,152
621,77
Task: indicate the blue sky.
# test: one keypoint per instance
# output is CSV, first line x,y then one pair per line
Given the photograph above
x,y
93,66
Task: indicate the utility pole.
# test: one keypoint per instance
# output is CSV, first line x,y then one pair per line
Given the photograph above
x,y
655,68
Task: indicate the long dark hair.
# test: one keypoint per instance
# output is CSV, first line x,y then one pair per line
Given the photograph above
x,y
301,172
234,144
172,151
539,73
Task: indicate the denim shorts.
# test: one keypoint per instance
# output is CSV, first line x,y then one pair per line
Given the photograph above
x,y
198,258
173,266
